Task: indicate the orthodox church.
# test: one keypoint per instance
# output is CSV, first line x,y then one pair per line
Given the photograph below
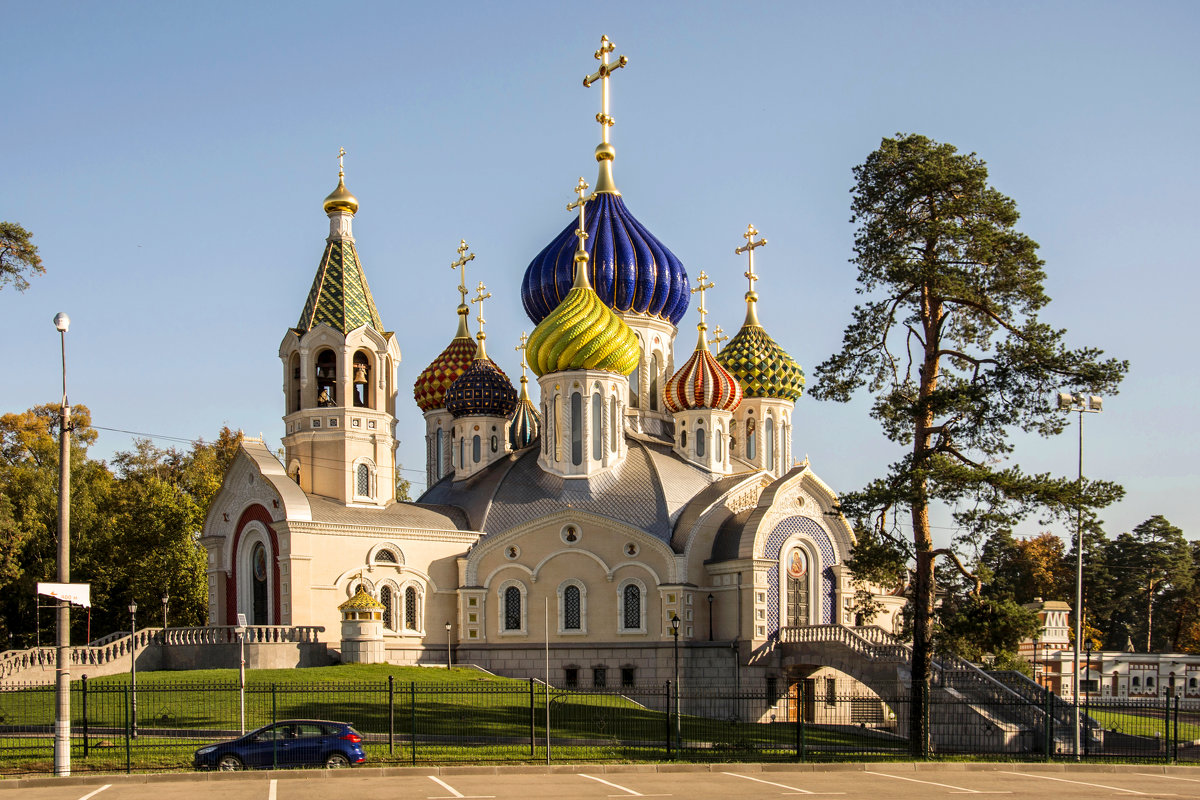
x,y
647,494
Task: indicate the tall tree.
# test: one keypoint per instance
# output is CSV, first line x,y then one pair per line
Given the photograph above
x,y
19,257
949,343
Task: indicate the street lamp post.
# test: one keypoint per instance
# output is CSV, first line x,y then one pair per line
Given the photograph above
x,y
133,667
449,660
1036,677
165,599
675,633
710,617
1074,401
62,670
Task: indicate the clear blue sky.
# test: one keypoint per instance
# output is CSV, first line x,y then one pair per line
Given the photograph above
x,y
171,159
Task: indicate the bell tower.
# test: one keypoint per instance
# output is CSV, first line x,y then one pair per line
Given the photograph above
x,y
339,377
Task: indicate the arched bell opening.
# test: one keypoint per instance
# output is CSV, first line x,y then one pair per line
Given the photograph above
x,y
293,390
362,380
326,379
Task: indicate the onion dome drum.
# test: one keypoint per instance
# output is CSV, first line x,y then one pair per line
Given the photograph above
x,y
483,390
630,269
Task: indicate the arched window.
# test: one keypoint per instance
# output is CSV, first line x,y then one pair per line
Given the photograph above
x,y
576,428
655,368
719,444
385,557
547,432
411,612
614,424
294,386
553,429
751,440
326,379
476,449
597,419
631,608
512,609
462,452
440,457
362,379
635,385
258,575
385,599
769,441
1137,682
362,486
683,439
700,442
571,610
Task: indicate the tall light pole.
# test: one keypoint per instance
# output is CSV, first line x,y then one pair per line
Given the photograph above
x,y
675,633
133,666
710,619
449,660
62,670
166,598
1074,401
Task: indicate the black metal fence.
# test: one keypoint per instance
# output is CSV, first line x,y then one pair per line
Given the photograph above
x,y
414,723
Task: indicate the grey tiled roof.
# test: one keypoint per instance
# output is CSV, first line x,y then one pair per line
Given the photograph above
x,y
727,542
400,515
647,491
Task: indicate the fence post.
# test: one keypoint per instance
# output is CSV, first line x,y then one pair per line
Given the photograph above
x,y
670,755
1049,743
801,690
412,719
85,727
128,754
274,741
532,721
1175,747
1166,737
391,715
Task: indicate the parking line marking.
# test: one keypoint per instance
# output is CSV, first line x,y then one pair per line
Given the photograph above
x,y
622,788
454,792
1080,783
96,792
770,783
272,790
1168,777
956,789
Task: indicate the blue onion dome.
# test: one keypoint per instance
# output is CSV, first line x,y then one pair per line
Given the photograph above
x,y
526,421
629,268
482,391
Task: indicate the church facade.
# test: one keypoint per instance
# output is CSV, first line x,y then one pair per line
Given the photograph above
x,y
647,494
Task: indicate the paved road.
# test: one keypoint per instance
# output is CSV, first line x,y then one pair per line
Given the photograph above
x,y
749,782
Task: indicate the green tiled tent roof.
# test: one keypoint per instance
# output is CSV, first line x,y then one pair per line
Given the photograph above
x,y
340,296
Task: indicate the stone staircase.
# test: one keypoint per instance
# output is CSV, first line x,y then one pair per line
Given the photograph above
x,y
209,647
969,706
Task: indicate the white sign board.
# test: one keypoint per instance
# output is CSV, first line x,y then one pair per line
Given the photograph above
x,y
79,594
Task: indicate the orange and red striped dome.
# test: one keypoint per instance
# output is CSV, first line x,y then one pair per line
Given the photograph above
x,y
702,383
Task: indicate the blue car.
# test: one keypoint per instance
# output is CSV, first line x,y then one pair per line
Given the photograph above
x,y
291,743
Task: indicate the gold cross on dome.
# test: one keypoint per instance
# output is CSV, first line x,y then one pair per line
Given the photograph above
x,y
524,340
461,264
341,155
580,189
479,298
601,75
748,249
700,287
718,337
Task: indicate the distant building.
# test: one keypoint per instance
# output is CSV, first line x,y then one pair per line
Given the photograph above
x,y
1106,673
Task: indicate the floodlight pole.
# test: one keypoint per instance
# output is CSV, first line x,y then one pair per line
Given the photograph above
x,y
1069,401
62,668
133,666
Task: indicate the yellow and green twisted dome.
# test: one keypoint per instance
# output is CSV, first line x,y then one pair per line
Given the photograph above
x,y
763,368
582,333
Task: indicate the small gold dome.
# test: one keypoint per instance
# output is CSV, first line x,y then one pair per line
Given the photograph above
x,y
340,199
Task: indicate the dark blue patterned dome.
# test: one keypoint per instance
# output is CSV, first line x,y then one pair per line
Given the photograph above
x,y
483,390
629,268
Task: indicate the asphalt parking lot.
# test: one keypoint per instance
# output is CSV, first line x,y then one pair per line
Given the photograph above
x,y
688,782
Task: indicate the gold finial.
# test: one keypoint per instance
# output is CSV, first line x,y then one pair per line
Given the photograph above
x,y
461,265
340,198
748,249
701,285
718,337
581,256
605,151
524,340
482,294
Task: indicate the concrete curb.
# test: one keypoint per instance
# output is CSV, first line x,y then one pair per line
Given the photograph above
x,y
612,769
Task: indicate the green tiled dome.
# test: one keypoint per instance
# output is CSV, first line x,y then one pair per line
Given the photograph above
x,y
763,368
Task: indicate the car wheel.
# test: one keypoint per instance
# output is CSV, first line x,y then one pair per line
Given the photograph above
x,y
336,761
230,763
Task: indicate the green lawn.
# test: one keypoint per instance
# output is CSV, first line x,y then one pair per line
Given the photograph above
x,y
1148,724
